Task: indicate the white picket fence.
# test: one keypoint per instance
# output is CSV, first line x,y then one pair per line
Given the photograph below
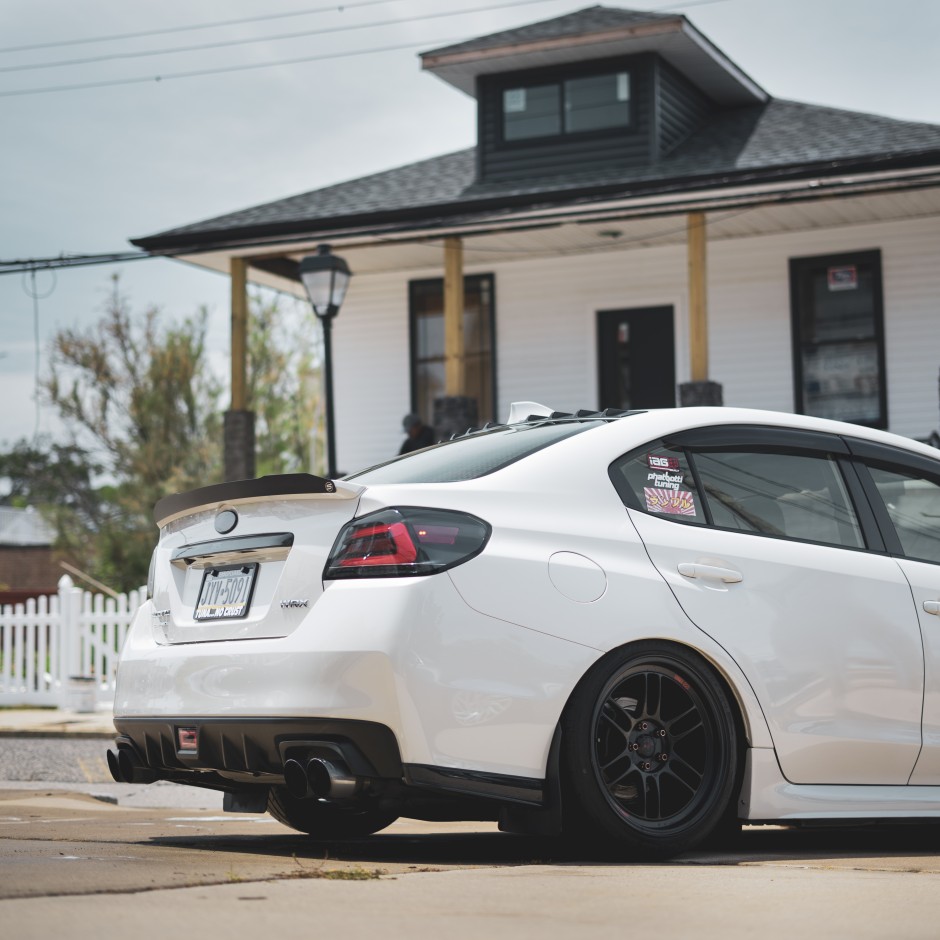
x,y
63,649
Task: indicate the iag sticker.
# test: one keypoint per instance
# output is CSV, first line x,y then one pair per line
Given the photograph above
x,y
669,502
662,463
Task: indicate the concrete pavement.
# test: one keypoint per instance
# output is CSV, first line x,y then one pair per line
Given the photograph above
x,y
55,723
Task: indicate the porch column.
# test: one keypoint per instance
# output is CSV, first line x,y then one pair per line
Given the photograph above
x,y
454,412
700,391
239,428
454,370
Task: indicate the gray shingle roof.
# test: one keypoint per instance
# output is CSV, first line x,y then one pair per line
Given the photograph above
x,y
763,141
594,19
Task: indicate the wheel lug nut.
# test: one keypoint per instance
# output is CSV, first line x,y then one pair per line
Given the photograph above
x,y
664,757
662,732
634,746
646,765
644,725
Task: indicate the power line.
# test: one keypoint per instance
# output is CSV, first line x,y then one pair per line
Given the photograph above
x,y
198,73
215,24
30,265
222,70
336,7
228,43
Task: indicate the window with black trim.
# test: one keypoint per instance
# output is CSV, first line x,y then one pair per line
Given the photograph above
x,y
657,479
793,496
913,504
838,337
426,320
567,106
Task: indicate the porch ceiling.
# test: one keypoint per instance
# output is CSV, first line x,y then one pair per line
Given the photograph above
x,y
597,231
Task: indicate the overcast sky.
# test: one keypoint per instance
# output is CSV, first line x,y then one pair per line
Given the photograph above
x,y
84,170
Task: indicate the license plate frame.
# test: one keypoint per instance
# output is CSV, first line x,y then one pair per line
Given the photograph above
x,y
226,592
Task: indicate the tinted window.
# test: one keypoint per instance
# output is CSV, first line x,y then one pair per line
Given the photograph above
x,y
657,479
531,112
589,103
914,507
791,495
838,332
470,457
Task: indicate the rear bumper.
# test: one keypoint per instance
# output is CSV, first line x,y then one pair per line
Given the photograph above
x,y
454,688
254,750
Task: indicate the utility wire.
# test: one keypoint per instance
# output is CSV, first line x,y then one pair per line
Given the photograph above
x,y
70,261
333,8
228,43
108,83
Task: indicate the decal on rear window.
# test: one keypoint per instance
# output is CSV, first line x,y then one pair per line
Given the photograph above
x,y
671,502
657,462
657,479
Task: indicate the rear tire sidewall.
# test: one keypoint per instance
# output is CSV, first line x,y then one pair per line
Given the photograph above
x,y
590,809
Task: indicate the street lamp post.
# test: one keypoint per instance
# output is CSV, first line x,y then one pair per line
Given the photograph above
x,y
326,277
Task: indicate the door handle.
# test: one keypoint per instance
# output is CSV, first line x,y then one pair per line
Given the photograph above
x,y
932,607
714,573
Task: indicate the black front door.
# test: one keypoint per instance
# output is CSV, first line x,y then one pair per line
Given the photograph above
x,y
636,358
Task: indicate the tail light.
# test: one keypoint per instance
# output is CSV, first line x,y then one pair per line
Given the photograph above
x,y
405,542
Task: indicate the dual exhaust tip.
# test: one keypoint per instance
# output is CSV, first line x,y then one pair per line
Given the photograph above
x,y
126,767
319,779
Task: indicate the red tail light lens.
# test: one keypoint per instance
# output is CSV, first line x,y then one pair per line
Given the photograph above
x,y
405,542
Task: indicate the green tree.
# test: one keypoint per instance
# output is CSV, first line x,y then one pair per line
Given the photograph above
x,y
144,410
138,394
58,480
283,379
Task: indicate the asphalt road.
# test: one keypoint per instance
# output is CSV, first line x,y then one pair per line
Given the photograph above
x,y
76,864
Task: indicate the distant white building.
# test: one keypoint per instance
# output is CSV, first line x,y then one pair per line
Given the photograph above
x,y
640,224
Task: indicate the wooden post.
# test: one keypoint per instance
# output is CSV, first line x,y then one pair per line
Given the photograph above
x,y
239,422
454,371
698,298
239,275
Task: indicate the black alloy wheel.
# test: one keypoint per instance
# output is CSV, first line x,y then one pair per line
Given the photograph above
x,y
651,747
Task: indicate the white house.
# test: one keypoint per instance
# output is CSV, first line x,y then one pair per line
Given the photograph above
x,y
640,224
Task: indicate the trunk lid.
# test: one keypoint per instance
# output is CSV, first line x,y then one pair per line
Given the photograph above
x,y
244,560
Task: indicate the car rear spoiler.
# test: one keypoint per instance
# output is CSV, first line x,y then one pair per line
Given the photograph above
x,y
285,486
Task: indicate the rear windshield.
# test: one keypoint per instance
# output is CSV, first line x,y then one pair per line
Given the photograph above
x,y
467,458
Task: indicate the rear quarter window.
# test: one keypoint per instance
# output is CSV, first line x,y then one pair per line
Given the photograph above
x,y
657,479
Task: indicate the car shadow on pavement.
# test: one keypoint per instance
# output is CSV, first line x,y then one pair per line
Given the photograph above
x,y
755,844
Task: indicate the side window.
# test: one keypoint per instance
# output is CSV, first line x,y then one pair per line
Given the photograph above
x,y
793,496
657,479
913,504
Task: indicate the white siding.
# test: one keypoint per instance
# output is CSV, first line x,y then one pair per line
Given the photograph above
x,y
370,371
546,323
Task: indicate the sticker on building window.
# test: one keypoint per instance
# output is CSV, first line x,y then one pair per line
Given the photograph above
x,y
670,502
514,100
842,278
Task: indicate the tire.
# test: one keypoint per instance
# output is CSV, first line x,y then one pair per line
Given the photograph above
x,y
650,751
324,820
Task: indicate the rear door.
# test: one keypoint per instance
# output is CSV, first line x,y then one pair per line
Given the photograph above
x,y
756,531
905,492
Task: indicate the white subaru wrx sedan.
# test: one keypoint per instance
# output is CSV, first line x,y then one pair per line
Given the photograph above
x,y
640,627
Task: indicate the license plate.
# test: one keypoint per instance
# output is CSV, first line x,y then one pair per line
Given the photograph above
x,y
226,592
